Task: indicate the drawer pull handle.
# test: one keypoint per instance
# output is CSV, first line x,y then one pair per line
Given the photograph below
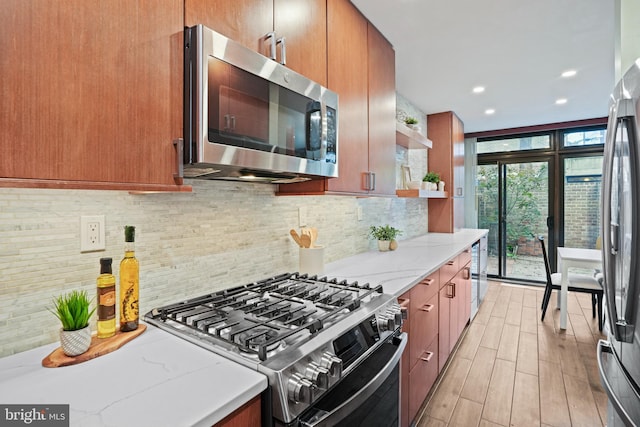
x,y
453,290
467,273
427,307
427,282
429,356
451,262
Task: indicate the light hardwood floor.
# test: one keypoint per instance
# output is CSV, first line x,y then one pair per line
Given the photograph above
x,y
511,369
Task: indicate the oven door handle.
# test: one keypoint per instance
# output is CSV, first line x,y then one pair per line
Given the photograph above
x,y
348,406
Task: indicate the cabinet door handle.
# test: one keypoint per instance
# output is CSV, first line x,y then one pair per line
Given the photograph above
x,y
272,50
467,273
226,122
427,282
453,290
179,145
404,307
373,181
429,356
233,122
283,49
427,307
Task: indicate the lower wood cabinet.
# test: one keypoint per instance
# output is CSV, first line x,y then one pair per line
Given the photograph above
x,y
422,376
439,309
248,415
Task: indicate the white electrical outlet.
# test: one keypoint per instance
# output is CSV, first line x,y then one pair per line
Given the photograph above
x,y
92,233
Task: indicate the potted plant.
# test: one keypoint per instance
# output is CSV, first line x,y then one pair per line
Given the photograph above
x,y
385,235
433,178
72,310
412,122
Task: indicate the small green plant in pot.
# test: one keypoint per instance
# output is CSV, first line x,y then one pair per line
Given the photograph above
x,y
433,178
386,236
72,309
411,120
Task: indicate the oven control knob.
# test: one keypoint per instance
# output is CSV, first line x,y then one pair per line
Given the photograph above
x,y
386,322
396,314
317,375
332,363
300,389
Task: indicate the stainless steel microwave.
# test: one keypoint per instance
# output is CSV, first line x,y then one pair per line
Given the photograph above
x,y
248,117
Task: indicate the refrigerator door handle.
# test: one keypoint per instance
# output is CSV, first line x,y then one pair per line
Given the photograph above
x,y
606,356
622,118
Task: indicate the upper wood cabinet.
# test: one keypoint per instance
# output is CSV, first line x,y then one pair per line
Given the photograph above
x,y
361,70
91,94
382,112
447,158
302,24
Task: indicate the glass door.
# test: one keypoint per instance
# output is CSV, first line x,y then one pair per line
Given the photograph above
x,y
514,205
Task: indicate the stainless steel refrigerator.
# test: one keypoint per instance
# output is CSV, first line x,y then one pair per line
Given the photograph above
x,y
619,357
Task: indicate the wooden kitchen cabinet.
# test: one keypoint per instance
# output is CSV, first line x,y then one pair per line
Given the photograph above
x,y
302,24
96,104
382,112
405,302
420,368
361,70
446,157
248,415
454,300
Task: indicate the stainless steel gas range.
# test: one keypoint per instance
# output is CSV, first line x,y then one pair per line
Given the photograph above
x,y
330,349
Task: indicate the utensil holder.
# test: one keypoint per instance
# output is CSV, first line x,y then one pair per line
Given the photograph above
x,y
311,260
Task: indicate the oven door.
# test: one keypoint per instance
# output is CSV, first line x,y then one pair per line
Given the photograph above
x,y
368,396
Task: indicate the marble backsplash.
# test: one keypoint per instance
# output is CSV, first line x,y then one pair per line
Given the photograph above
x,y
221,235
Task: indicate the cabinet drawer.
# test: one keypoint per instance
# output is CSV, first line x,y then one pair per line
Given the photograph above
x,y
448,270
424,290
464,258
422,377
424,327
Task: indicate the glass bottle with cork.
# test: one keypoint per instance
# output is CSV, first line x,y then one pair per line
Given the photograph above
x,y
129,283
106,284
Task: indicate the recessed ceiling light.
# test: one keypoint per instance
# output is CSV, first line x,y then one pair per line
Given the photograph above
x,y
569,73
561,101
489,111
478,89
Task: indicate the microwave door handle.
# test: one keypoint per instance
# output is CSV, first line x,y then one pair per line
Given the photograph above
x,y
324,132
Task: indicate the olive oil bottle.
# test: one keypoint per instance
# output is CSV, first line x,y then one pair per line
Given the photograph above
x,y
129,283
106,300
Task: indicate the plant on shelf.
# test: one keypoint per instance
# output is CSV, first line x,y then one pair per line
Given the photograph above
x,y
410,120
432,177
73,311
386,236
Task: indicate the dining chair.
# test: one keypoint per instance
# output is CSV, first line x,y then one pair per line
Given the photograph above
x,y
577,283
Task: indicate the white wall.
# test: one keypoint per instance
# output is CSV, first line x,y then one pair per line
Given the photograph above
x,y
222,235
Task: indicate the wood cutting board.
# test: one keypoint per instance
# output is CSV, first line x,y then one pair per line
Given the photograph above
x,y
98,347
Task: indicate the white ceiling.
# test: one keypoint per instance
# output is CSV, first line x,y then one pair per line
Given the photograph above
x,y
516,49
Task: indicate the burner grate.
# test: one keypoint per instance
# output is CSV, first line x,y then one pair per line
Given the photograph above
x,y
259,317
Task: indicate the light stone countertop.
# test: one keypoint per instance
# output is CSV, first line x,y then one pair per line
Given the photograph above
x,y
398,271
159,379
156,379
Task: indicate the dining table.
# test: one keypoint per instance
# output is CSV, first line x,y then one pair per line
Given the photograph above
x,y
582,258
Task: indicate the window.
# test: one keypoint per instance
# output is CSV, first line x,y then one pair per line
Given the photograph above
x,y
514,144
582,138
